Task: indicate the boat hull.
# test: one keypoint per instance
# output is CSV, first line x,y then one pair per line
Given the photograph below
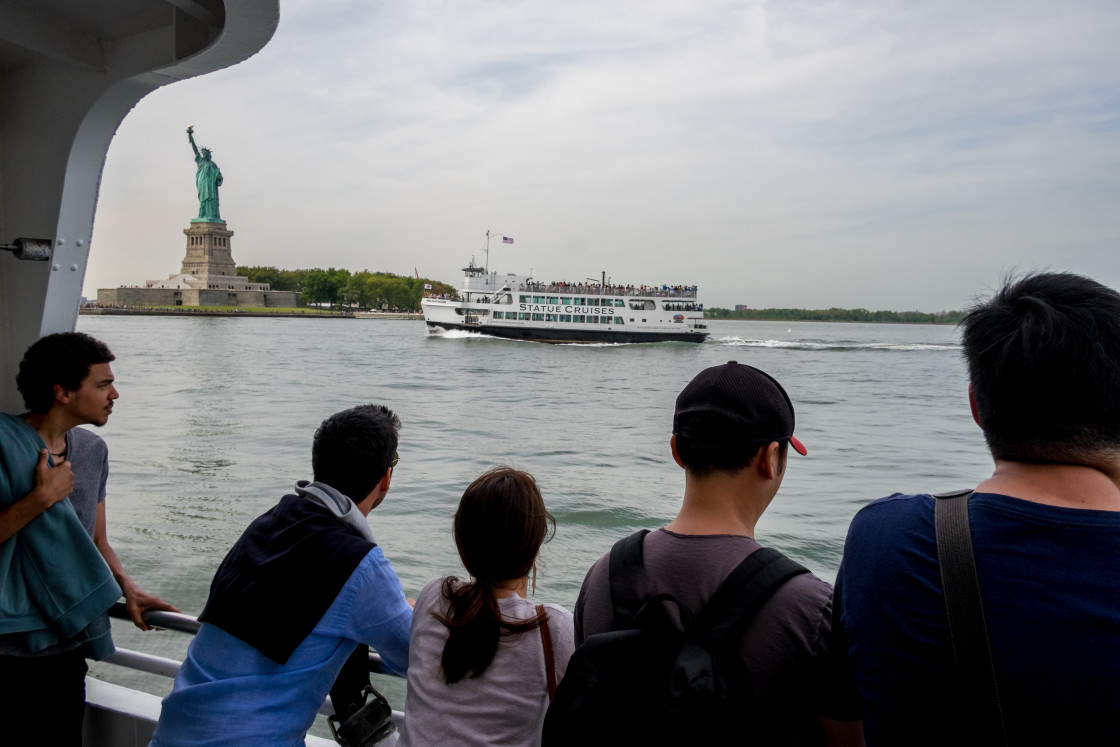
x,y
540,334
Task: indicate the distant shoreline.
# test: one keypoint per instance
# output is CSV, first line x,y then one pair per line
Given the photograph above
x,y
857,316
283,313
305,313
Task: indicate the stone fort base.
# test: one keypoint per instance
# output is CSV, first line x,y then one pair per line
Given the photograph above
x,y
195,297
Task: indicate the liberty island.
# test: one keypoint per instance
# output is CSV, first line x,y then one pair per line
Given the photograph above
x,y
208,275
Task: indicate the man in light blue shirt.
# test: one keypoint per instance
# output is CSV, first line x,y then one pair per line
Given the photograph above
x,y
299,591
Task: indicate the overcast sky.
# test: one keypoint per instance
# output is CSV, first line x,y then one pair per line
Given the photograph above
x,y
887,155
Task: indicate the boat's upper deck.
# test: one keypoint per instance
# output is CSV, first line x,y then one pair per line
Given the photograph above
x,y
478,282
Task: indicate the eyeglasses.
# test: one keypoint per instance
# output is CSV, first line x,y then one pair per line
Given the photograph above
x,y
396,458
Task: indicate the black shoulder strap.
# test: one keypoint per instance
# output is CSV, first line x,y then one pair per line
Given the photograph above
x,y
348,693
968,632
745,590
626,569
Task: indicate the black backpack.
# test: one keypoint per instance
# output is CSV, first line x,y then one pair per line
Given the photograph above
x,y
652,682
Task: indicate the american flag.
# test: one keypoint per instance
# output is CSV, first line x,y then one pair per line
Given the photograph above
x,y
507,240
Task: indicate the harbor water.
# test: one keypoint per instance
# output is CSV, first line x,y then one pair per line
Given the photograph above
x,y
216,418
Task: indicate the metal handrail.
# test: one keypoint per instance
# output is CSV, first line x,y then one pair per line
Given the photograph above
x,y
184,624
597,290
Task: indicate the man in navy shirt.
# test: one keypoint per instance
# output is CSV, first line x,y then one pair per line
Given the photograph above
x,y
1043,356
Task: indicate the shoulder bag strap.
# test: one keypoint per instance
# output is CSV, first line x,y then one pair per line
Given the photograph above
x,y
549,657
968,632
745,590
626,570
348,693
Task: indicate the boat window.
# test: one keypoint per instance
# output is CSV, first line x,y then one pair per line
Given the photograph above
x,y
641,304
553,300
592,320
565,300
619,303
523,299
618,320
552,317
538,299
593,302
578,318
538,317
523,316
579,301
565,317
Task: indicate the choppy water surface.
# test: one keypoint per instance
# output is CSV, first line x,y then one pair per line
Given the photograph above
x,y
216,416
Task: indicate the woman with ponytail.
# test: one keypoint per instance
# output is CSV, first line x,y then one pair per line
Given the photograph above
x,y
483,660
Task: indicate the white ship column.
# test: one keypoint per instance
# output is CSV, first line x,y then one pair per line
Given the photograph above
x,y
70,70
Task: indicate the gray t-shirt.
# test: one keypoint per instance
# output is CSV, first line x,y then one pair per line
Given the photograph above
x,y
503,706
786,648
89,461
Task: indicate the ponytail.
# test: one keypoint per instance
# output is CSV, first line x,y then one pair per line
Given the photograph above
x,y
475,626
499,528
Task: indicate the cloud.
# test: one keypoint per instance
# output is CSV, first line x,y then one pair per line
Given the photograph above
x,y
876,154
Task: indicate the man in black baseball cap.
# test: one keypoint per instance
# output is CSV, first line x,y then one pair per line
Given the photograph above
x,y
732,428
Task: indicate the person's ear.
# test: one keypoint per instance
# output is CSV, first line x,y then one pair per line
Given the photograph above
x,y
770,461
972,404
673,447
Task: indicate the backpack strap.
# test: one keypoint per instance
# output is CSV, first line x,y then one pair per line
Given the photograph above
x,y
745,590
968,632
626,570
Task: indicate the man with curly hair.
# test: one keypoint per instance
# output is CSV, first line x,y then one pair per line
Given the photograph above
x,y
58,573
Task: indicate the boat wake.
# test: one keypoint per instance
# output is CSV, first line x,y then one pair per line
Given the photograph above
x,y
734,341
457,334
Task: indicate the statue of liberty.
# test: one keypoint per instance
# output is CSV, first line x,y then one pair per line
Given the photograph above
x,y
208,178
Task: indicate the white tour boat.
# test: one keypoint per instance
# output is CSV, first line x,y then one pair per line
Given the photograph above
x,y
520,308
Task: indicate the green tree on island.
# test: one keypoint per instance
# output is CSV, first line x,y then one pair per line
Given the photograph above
x,y
364,289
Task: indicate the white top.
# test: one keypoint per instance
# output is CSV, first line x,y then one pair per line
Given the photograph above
x,y
504,706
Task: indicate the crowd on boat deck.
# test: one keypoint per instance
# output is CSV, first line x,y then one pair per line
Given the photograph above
x,y
684,291
986,616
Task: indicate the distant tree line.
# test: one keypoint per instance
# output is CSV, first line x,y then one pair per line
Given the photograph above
x,y
838,315
364,290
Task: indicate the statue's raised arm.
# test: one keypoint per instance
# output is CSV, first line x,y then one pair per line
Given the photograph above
x,y
190,136
207,177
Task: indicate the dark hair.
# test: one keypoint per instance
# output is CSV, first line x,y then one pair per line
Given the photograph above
x,y
703,456
1043,358
499,529
353,448
63,358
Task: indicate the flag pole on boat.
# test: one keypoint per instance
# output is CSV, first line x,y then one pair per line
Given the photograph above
x,y
493,235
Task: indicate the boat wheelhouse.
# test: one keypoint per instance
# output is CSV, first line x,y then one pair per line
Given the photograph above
x,y
520,308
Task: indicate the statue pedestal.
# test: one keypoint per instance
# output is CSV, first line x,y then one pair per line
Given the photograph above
x,y
208,251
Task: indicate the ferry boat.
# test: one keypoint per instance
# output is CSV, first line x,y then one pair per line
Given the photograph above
x,y
518,307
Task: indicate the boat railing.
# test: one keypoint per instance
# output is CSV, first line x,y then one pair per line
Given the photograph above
x,y
680,291
164,667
